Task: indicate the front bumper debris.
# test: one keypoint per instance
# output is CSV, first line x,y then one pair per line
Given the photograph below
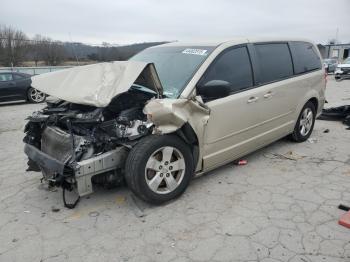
x,y
43,160
82,171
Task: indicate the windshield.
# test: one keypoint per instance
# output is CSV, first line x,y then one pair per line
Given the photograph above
x,y
175,65
347,61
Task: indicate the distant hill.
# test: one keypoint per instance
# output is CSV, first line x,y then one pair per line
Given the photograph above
x,y
104,53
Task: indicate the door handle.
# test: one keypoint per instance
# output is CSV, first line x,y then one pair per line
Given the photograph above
x,y
252,99
268,94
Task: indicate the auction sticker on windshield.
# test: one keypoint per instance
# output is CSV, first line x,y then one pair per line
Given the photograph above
x,y
192,51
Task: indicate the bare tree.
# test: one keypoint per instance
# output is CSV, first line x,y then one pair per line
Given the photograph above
x,y
13,45
36,49
52,52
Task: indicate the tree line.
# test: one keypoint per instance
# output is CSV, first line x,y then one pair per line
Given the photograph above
x,y
16,48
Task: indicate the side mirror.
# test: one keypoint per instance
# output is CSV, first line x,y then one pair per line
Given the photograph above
x,y
214,89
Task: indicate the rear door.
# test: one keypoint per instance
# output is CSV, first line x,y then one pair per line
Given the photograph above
x,y
277,90
308,73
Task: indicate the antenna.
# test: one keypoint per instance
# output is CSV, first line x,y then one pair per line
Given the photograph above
x,y
73,47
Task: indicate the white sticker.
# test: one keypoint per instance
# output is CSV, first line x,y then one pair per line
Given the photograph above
x,y
195,51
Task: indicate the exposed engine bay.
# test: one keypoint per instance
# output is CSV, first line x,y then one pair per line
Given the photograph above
x,y
76,145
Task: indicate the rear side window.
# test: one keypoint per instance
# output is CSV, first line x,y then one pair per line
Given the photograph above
x,y
234,67
305,57
275,61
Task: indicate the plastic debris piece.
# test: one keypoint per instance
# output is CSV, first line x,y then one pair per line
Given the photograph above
x,y
241,162
55,209
312,140
345,220
344,207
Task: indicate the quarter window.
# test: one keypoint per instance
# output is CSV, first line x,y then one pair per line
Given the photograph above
x,y
305,57
232,66
275,62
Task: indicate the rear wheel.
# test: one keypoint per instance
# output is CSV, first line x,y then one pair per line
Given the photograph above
x,y
305,124
159,168
35,96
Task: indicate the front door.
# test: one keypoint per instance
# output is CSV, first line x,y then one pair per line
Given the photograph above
x,y
7,87
232,126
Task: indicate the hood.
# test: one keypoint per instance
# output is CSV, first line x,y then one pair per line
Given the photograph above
x,y
97,84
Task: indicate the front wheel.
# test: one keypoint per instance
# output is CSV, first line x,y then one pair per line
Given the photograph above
x,y
159,168
305,123
35,96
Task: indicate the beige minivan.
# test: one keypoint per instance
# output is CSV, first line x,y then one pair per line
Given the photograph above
x,y
171,112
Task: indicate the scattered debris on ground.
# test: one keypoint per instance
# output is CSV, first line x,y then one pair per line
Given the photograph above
x,y
55,209
340,113
290,155
312,140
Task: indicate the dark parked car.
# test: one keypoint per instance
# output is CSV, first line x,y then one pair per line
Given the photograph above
x,y
17,86
343,70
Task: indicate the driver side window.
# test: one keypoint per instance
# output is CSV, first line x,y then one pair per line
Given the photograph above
x,y
234,67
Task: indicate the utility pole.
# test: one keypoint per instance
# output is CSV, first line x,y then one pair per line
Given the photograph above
x,y
73,47
336,36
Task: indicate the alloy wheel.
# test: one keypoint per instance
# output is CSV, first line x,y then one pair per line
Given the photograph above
x,y
165,169
36,95
306,121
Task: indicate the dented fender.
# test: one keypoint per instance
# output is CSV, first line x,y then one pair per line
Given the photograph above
x,y
169,115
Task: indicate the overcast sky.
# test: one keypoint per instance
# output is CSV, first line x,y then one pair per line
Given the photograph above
x,y
130,21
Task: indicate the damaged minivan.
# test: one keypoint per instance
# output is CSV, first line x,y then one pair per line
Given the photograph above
x,y
172,112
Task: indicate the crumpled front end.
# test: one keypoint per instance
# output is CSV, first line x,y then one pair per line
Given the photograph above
x,y
85,137
76,146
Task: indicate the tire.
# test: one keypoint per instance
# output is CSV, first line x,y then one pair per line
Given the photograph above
x,y
35,96
149,171
305,123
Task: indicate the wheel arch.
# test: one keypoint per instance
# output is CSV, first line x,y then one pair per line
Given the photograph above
x,y
311,96
189,136
314,100
27,91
